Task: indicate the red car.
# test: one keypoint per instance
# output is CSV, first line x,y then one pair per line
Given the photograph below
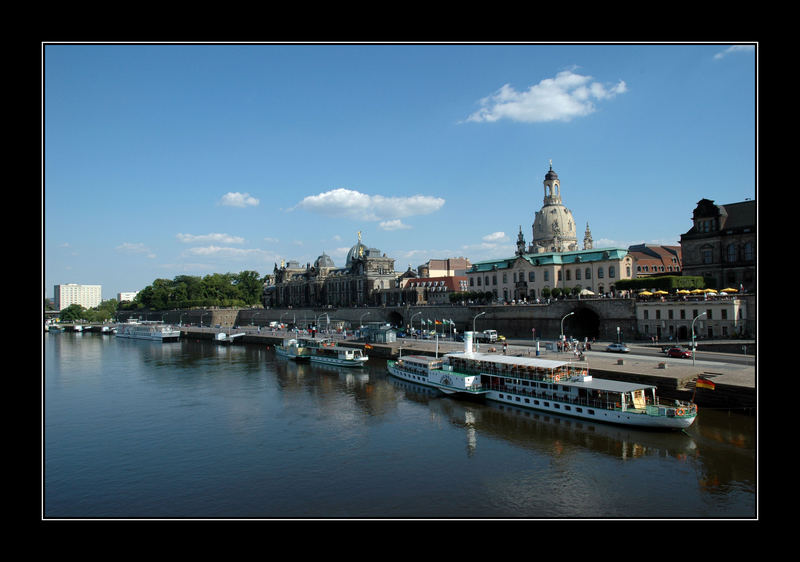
x,y
678,352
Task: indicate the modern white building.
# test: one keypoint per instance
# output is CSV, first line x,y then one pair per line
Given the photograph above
x,y
88,296
128,296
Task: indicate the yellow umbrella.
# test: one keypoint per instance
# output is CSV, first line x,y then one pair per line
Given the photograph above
x,y
660,292
710,291
697,291
683,292
646,294
729,290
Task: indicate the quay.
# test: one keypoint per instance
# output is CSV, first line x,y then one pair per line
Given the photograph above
x,y
735,381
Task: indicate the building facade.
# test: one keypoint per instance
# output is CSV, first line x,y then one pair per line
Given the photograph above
x,y
672,321
553,259
529,277
721,245
87,296
365,274
652,259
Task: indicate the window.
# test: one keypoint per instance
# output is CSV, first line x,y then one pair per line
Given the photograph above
x,y
748,251
588,273
531,276
600,273
612,271
731,253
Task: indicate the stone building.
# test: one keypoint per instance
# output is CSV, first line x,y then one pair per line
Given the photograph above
x,y
553,259
365,274
554,227
652,259
721,245
724,317
524,277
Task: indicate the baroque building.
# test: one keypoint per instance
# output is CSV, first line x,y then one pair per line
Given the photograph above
x,y
721,245
365,274
553,259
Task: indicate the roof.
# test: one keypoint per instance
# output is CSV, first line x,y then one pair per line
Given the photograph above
x,y
553,258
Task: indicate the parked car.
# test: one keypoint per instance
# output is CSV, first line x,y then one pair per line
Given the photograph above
x,y
618,348
679,352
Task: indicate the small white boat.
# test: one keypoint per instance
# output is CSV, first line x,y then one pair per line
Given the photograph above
x,y
560,387
148,331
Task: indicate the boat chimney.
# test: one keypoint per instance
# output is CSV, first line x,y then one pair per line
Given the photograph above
x,y
468,343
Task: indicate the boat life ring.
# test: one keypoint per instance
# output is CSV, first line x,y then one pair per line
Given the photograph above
x,y
680,412
556,378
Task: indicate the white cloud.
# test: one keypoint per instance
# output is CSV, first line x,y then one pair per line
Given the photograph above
x,y
349,203
395,224
135,248
735,49
236,199
562,98
208,238
495,237
228,253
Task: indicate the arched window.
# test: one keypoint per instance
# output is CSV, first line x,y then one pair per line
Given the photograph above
x,y
588,273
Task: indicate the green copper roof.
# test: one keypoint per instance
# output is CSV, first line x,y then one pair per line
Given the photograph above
x,y
553,258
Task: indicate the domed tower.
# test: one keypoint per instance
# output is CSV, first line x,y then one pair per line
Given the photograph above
x,y
553,226
357,252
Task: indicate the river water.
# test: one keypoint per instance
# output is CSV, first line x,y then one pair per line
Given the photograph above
x,y
191,429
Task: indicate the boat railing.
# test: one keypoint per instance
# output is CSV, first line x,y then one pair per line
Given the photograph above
x,y
671,409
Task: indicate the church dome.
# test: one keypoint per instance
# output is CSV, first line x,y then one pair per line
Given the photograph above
x,y
553,226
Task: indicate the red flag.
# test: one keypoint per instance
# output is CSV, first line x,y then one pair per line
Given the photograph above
x,y
705,383
367,346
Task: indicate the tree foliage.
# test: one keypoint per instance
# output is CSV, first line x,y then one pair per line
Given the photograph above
x,y
187,291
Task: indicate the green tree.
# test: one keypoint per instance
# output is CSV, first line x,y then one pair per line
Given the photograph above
x,y
72,313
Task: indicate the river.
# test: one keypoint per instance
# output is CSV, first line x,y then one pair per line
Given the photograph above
x,y
192,429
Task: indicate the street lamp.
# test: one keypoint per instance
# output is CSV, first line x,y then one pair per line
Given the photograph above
x,y
562,324
411,321
474,318
694,346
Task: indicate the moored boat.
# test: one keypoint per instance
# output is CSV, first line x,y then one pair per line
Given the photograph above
x,y
294,349
148,331
326,352
560,387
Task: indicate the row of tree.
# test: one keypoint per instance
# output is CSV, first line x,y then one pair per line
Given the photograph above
x,y
186,291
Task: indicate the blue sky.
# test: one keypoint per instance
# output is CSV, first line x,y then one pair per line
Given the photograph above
x,y
189,159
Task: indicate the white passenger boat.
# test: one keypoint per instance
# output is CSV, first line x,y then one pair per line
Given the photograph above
x,y
326,352
560,387
148,331
293,349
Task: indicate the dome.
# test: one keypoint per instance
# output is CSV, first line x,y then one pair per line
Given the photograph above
x,y
356,252
324,261
553,226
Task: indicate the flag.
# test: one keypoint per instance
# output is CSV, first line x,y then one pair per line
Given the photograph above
x,y
704,383
367,346
438,322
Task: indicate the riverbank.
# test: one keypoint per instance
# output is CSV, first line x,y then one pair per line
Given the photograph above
x,y
735,383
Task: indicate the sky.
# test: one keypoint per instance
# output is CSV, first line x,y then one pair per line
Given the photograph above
x,y
160,160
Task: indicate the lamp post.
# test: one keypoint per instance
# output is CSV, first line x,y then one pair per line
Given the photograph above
x,y
694,346
411,321
562,324
474,318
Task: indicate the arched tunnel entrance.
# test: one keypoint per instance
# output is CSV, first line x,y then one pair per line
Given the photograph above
x,y
585,323
396,319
